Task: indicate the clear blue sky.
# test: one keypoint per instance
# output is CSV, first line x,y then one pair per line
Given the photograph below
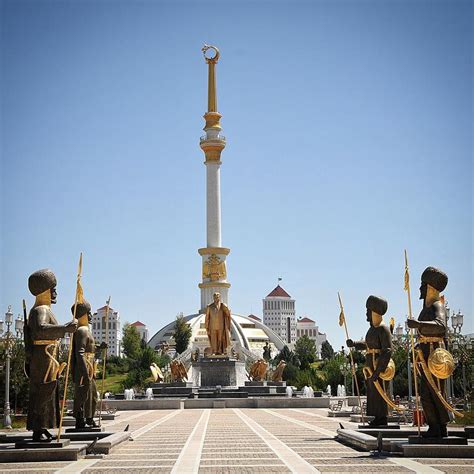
x,y
349,127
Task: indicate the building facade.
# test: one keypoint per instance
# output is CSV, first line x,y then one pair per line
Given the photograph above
x,y
106,327
307,327
142,330
279,314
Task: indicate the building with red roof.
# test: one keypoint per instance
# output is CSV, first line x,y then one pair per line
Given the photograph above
x,y
279,314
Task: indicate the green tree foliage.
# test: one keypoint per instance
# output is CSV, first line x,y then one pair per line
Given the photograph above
x,y
327,352
400,355
288,356
310,378
332,372
131,341
18,379
182,334
305,350
290,374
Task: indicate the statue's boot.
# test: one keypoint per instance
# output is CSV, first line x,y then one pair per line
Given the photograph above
x,y
80,423
90,422
47,434
381,421
434,431
443,431
39,436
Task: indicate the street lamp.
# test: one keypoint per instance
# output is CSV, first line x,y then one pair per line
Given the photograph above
x,y
7,339
457,321
345,367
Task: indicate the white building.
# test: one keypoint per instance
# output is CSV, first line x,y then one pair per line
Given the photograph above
x,y
307,327
111,319
279,314
142,330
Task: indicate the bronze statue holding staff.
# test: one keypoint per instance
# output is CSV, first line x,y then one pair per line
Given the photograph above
x,y
83,366
42,334
378,347
435,362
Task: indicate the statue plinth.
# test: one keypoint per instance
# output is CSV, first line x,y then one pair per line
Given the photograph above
x,y
213,371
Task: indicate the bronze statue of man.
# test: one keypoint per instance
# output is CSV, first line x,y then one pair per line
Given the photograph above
x,y
431,326
217,324
42,334
83,368
378,347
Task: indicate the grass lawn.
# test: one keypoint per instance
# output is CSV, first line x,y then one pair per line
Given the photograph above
x,y
113,383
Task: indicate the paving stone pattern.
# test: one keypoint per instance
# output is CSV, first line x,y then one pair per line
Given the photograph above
x,y
229,441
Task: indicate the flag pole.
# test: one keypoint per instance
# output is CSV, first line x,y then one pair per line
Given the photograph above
x,y
410,316
79,296
342,321
104,358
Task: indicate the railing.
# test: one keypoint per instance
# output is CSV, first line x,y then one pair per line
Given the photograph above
x,y
185,357
205,138
249,354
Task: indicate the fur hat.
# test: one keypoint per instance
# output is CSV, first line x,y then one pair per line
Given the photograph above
x,y
435,278
40,281
82,309
379,305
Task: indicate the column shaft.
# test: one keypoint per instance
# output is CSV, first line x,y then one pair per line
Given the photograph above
x,y
213,204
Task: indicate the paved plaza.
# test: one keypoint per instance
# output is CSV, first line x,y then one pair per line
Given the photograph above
x,y
213,441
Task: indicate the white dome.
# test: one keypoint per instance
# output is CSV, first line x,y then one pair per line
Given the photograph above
x,y
246,332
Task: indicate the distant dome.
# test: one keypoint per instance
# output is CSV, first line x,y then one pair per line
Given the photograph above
x,y
246,332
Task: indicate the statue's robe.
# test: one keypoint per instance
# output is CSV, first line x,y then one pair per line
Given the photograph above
x,y
381,339
433,324
41,334
83,373
217,324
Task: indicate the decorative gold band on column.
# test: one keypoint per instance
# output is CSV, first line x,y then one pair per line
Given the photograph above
x,y
216,250
214,284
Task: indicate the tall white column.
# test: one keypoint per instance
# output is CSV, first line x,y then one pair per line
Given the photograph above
x,y
214,270
213,204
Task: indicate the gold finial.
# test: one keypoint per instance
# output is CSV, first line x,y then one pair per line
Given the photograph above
x,y
212,61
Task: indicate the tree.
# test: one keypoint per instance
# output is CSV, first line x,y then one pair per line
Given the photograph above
x,y
305,350
131,341
327,352
182,334
288,356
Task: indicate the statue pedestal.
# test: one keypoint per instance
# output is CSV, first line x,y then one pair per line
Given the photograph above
x,y
213,371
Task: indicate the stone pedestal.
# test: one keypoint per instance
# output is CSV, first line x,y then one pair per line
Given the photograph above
x,y
210,372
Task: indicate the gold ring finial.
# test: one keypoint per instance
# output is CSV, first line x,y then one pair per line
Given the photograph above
x,y
206,48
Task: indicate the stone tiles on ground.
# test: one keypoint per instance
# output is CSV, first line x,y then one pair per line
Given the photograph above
x,y
226,441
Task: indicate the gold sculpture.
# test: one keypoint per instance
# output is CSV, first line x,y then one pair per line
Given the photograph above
x,y
214,268
156,373
278,373
441,363
217,324
258,370
178,371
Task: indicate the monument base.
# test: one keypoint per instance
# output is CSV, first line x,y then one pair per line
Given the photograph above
x,y
212,371
456,440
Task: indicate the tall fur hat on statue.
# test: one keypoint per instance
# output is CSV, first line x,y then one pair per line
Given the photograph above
x,y
82,308
435,278
377,304
40,281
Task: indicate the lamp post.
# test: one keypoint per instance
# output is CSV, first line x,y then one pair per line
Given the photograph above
x,y
345,367
7,339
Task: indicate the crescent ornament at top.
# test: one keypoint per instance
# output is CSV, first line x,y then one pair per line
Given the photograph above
x,y
213,59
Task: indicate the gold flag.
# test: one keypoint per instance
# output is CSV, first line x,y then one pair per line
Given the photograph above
x,y
79,290
392,324
342,318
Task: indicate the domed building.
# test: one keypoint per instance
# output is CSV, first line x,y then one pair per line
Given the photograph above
x,y
248,335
